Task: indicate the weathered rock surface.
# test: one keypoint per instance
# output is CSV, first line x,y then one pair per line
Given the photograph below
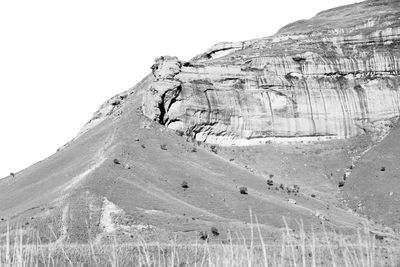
x,y
314,78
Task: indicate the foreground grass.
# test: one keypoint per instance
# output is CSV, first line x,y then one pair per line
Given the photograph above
x,y
326,249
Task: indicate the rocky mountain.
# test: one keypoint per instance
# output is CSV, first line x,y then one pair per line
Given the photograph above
x,y
334,76
199,144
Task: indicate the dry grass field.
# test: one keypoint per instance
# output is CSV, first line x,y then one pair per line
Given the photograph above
x,y
294,248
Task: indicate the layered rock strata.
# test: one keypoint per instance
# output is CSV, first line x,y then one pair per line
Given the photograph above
x,y
305,82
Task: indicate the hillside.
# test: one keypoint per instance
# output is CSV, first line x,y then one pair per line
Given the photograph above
x,y
302,119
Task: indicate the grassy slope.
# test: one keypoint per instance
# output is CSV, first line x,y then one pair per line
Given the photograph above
x,y
376,191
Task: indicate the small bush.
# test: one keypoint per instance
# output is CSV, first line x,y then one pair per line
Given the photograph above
x,y
243,190
193,149
383,169
116,102
203,235
12,174
341,184
270,182
116,161
163,147
214,149
214,231
184,185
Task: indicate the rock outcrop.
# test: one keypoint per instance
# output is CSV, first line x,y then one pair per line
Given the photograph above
x,y
312,79
164,90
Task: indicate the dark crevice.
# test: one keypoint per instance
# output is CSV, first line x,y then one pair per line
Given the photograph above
x,y
161,106
210,54
209,107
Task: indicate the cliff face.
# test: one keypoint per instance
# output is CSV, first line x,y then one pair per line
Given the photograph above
x,y
315,79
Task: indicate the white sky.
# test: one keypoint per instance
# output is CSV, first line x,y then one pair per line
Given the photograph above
x,y
60,60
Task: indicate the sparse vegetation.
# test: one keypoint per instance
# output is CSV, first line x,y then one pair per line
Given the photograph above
x,y
289,190
296,189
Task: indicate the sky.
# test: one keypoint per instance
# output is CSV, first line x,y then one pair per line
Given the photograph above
x,y
60,60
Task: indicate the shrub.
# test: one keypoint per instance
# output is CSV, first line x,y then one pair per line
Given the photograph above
x,y
116,161
116,102
383,169
341,184
12,174
163,147
203,235
243,190
184,185
214,231
270,182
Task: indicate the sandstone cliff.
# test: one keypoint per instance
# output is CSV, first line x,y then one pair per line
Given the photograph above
x,y
333,76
